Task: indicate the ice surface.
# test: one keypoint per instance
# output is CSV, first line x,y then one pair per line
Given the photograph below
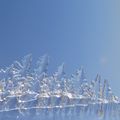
x,y
31,93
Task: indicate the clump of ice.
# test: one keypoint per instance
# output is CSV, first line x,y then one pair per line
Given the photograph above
x,y
23,88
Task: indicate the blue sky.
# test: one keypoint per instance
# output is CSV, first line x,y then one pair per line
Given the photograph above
x,y
77,32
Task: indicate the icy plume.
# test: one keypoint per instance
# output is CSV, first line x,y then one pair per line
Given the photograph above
x,y
26,91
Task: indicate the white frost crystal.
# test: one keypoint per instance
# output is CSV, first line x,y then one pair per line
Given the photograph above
x,y
31,91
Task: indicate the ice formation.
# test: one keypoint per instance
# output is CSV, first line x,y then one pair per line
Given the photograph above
x,y
30,93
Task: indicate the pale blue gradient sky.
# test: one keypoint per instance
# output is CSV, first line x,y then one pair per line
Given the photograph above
x,y
77,32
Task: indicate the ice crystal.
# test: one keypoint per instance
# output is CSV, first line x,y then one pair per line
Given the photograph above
x,y
29,91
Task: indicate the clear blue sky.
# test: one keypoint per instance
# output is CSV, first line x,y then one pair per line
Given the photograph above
x,y
77,32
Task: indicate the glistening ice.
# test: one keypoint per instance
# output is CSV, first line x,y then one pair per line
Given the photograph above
x,y
30,93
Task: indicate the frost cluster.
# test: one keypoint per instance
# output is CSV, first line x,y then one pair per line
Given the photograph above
x,y
25,87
